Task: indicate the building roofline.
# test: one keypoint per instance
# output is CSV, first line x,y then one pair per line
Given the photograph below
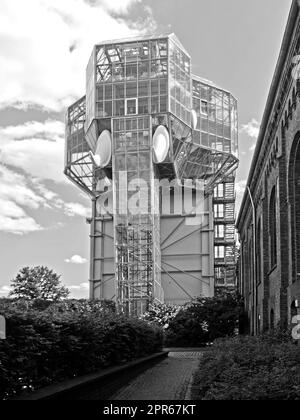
x,y
145,38
210,83
269,105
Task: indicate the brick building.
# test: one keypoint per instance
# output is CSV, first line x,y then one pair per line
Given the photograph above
x,y
269,219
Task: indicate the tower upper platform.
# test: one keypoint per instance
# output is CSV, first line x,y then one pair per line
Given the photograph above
x,y
151,76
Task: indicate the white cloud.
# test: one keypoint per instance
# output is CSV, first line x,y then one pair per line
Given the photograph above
x,y
18,226
4,290
82,286
252,130
49,196
46,44
45,47
20,193
70,209
76,209
53,201
240,188
14,187
76,259
79,291
51,130
118,6
37,148
14,195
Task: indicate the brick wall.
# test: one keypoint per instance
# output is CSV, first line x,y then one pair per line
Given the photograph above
x,y
277,168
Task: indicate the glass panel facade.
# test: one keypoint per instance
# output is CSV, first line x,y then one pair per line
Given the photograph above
x,y
133,70
217,125
78,164
90,91
136,222
180,83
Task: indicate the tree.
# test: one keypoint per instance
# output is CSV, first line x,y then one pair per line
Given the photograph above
x,y
205,319
38,283
161,314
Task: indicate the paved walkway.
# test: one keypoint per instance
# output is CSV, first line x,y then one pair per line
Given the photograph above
x,y
167,380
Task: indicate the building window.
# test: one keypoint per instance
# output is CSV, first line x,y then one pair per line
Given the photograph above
x,y
143,106
219,211
219,252
131,106
219,191
118,108
219,231
204,108
273,228
154,104
220,277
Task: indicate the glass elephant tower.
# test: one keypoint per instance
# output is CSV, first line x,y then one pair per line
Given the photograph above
x,y
150,133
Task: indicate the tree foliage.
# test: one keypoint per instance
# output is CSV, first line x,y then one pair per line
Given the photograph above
x,y
38,283
205,320
161,314
199,322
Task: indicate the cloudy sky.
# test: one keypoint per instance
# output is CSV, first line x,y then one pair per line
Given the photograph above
x,y
44,49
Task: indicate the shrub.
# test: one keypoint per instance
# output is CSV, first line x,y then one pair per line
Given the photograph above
x,y
68,305
83,306
249,368
205,320
63,341
161,314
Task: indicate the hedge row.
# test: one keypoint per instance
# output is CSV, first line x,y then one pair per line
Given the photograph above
x,y
62,342
67,305
249,368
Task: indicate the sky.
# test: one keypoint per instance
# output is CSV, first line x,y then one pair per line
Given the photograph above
x,y
44,50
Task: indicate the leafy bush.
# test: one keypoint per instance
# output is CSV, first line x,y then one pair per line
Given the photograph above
x,y
161,314
204,320
69,305
249,368
83,306
64,341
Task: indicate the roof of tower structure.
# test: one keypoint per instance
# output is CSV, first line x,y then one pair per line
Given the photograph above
x,y
148,37
209,83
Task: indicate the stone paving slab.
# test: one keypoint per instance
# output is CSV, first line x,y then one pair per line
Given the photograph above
x,y
167,380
